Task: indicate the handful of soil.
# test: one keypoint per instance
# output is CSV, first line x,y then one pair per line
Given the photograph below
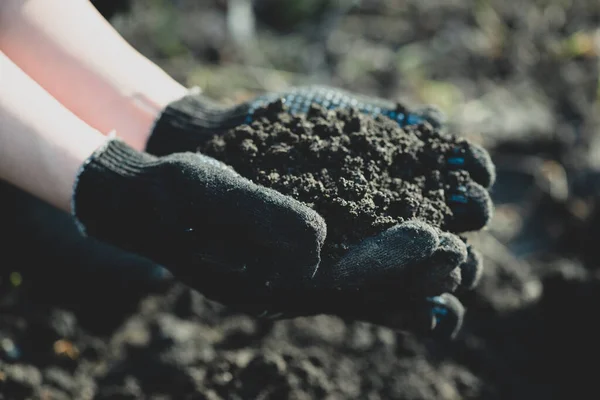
x,y
362,174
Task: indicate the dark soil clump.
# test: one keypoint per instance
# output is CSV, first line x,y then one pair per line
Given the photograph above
x,y
362,174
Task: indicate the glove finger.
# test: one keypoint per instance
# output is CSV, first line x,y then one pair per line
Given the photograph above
x,y
461,272
441,272
382,256
439,317
448,314
471,206
471,270
475,160
433,115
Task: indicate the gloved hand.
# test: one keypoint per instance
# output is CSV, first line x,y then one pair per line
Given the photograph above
x,y
258,251
186,123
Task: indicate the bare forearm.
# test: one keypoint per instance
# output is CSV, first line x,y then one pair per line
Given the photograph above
x,y
76,55
42,144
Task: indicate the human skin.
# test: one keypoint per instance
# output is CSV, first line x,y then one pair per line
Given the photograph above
x,y
42,144
69,49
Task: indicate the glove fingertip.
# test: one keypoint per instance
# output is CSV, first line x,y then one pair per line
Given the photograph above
x,y
448,313
471,269
433,115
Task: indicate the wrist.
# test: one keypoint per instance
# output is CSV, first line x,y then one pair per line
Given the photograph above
x,y
104,181
184,124
146,108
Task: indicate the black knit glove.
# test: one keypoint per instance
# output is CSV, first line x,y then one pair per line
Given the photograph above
x,y
186,123
257,250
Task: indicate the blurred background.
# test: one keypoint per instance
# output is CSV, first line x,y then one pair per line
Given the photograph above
x,y
519,77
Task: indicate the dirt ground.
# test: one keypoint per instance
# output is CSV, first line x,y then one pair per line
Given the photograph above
x,y
81,320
